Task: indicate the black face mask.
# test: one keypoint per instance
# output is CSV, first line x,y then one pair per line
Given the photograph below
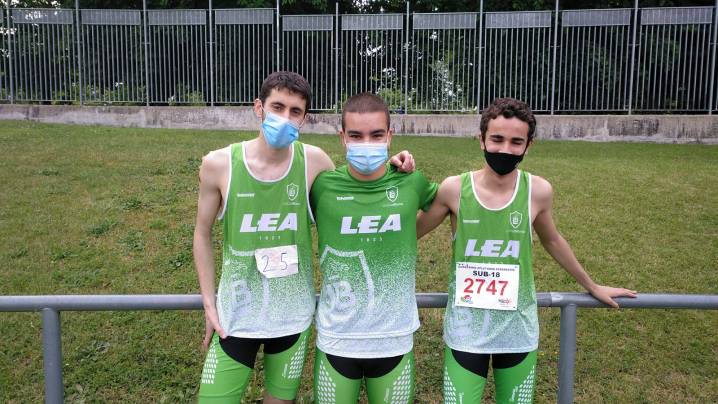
x,y
503,163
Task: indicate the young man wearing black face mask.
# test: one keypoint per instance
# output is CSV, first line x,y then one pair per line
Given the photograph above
x,y
491,313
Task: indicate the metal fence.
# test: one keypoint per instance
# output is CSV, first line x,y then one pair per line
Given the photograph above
x,y
593,71
51,306
373,57
43,53
309,49
178,54
517,57
112,56
444,62
244,49
674,61
568,61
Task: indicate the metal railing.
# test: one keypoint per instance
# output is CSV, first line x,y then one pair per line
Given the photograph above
x,y
51,306
568,61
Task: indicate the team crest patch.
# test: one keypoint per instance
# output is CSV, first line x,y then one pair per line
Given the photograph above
x,y
515,219
392,193
292,191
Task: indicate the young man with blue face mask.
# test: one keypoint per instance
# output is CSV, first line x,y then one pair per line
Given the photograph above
x,y
491,315
366,221
259,190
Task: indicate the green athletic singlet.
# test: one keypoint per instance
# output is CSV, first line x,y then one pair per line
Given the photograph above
x,y
261,215
266,288
492,300
493,242
367,249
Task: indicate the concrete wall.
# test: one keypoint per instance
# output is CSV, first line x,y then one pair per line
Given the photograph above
x,y
638,128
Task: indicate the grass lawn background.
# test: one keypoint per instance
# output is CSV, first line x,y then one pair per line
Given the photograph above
x,y
97,210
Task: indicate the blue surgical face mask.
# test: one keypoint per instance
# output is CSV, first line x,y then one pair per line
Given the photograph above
x,y
367,157
279,132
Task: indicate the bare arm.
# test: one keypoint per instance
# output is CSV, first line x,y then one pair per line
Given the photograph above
x,y
560,250
317,161
446,202
210,201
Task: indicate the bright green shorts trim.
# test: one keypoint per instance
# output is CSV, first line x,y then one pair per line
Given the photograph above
x,y
395,387
513,385
224,380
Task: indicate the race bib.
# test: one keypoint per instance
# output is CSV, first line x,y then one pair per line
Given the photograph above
x,y
487,286
277,262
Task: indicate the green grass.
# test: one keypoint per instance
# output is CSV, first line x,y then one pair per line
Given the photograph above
x,y
95,210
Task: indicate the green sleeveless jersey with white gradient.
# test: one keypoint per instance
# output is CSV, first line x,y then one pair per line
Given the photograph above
x,y
261,215
491,242
367,256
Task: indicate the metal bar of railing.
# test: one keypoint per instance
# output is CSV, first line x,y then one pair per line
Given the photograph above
x,y
52,305
424,300
52,355
567,353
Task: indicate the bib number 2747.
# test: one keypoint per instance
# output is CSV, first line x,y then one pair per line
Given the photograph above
x,y
276,262
487,286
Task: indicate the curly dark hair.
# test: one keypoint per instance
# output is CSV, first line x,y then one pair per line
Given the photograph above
x,y
290,81
508,108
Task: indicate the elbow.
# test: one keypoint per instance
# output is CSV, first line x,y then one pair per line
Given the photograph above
x,y
420,234
552,243
201,238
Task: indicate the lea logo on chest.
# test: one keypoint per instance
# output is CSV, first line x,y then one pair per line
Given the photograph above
x,y
493,248
371,224
268,222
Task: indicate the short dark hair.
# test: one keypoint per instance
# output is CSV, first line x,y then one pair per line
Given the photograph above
x,y
290,81
508,108
363,103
